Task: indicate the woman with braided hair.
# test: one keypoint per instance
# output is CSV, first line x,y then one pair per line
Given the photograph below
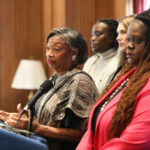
x,y
120,120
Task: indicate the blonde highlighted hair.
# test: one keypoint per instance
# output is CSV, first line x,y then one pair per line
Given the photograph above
x,y
126,20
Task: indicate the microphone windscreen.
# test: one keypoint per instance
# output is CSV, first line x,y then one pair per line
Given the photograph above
x,y
46,86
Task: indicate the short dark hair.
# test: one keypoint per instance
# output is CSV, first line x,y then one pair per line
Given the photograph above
x,y
74,39
112,24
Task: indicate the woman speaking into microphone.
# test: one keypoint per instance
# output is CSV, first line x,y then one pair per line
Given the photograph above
x,y
62,112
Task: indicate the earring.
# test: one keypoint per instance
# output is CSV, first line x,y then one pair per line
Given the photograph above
x,y
74,58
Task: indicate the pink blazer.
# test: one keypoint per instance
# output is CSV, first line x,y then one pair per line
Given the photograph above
x,y
136,136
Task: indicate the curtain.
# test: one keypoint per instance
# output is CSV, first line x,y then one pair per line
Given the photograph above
x,y
147,5
129,7
139,6
136,6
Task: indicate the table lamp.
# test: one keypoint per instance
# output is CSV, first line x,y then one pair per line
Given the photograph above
x,y
30,75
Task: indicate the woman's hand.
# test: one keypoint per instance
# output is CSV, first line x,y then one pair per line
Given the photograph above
x,y
24,120
5,116
11,119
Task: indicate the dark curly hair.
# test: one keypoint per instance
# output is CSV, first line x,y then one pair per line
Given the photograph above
x,y
112,24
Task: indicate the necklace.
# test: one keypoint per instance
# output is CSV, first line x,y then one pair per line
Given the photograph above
x,y
122,85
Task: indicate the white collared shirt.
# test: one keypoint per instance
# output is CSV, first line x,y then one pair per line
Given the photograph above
x,y
102,67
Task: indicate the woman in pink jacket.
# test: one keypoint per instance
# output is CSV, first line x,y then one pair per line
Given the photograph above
x,y
121,118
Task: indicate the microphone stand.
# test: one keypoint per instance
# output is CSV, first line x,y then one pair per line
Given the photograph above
x,y
32,113
44,88
32,107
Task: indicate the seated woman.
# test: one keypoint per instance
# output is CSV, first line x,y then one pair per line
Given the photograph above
x,y
62,112
122,40
105,61
122,28
121,118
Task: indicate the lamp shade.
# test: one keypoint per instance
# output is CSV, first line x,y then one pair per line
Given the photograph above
x,y
30,75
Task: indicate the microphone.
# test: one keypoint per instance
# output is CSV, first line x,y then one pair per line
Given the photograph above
x,y
44,88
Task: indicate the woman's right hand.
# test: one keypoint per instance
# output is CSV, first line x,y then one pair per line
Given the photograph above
x,y
6,115
12,118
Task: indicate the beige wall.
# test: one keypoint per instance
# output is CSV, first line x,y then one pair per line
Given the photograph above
x,y
25,25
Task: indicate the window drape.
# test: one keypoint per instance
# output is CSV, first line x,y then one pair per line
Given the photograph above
x,y
136,6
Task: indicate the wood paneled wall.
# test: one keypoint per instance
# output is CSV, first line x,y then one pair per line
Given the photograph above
x,y
109,9
21,35
24,25
80,14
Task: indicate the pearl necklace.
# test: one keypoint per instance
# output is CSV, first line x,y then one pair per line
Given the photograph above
x,y
122,85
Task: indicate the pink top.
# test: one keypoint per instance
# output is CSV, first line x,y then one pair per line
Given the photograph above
x,y
136,136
